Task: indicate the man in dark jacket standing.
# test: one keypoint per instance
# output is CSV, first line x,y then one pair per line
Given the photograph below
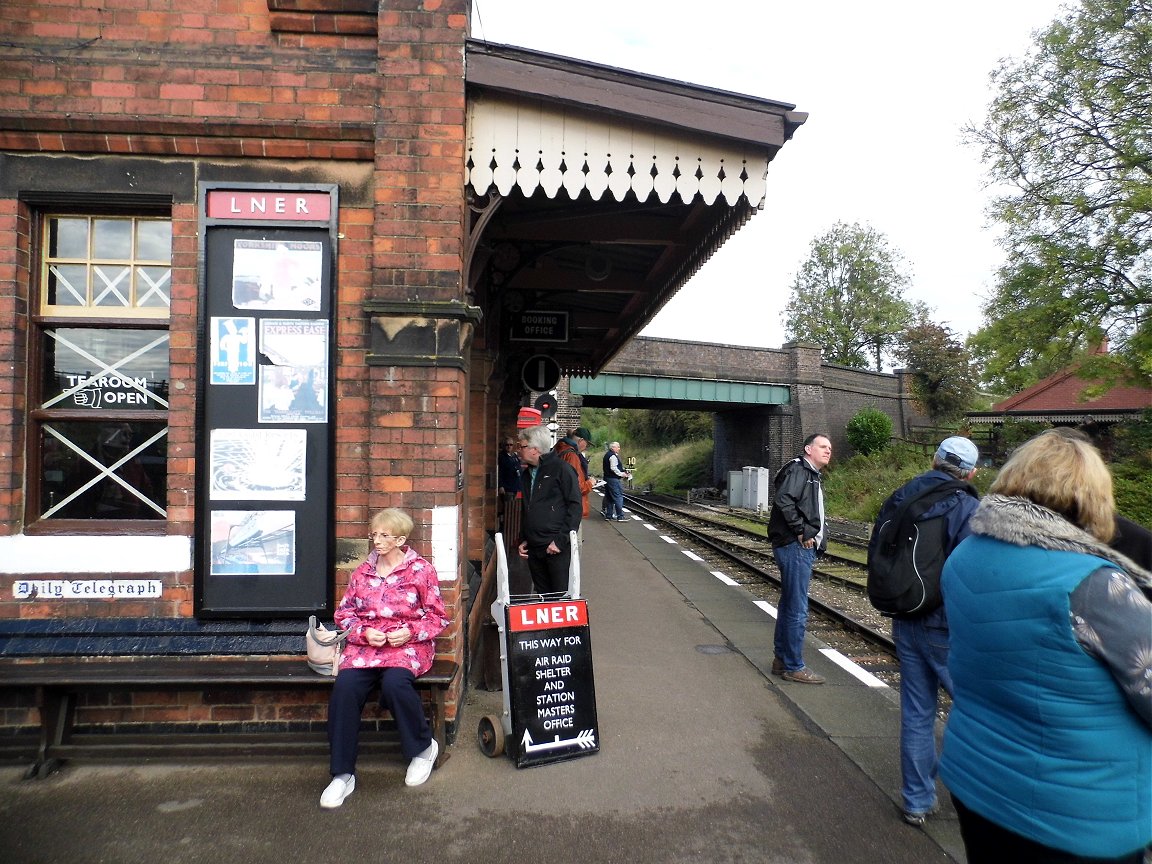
x,y
922,641
552,509
796,531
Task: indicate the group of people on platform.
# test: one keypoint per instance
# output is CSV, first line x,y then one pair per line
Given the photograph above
x,y
1043,641
1043,638
554,488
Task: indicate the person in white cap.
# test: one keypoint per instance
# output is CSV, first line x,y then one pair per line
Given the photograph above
x,y
922,640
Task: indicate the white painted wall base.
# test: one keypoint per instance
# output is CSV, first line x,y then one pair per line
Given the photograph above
x,y
21,554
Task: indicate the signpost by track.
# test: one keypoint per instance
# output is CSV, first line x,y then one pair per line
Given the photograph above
x,y
546,666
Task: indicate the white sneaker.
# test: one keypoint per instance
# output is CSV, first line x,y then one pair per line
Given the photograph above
x,y
420,768
336,792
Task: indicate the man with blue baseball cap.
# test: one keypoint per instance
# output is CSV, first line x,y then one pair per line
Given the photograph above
x,y
958,451
922,638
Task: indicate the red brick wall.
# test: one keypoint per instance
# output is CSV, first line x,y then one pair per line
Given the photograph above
x,y
289,710
367,95
163,79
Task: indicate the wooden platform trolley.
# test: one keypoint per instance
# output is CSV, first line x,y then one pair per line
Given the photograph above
x,y
549,711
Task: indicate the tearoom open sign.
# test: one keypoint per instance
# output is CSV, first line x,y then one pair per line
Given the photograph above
x,y
552,693
110,391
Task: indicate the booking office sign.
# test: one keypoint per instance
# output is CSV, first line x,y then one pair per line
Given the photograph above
x,y
553,694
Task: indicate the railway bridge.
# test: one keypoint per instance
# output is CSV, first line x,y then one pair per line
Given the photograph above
x,y
764,401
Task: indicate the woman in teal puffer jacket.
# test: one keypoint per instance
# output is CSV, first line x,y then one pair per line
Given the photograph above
x,y
1048,749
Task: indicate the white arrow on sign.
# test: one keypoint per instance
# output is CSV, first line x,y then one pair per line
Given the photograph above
x,y
584,741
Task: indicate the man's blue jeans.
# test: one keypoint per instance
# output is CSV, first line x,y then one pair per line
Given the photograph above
x,y
922,648
614,505
795,564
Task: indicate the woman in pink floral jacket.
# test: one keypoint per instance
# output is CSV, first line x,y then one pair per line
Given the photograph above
x,y
394,610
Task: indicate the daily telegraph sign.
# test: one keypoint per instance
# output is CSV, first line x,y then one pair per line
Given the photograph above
x,y
552,693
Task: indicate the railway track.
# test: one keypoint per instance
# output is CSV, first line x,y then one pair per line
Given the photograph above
x,y
843,563
841,615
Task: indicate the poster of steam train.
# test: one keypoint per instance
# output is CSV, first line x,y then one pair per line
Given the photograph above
x,y
253,541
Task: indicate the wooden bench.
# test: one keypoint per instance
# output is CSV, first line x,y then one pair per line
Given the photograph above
x,y
57,681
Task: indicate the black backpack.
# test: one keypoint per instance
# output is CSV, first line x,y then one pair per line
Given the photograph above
x,y
907,556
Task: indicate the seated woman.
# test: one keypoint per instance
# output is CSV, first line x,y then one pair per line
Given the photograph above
x,y
1048,748
394,610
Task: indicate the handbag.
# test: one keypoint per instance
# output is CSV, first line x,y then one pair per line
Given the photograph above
x,y
324,647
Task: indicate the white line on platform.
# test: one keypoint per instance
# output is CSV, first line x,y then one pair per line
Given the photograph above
x,y
851,668
651,527
667,539
727,580
766,606
690,554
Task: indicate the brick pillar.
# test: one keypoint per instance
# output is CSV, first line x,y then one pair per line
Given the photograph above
x,y
416,298
14,280
905,402
183,397
420,203
809,413
420,325
418,395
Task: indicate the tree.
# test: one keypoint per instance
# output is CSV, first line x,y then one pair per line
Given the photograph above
x,y
849,297
1067,132
941,371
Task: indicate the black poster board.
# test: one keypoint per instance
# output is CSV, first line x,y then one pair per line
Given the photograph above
x,y
552,694
265,410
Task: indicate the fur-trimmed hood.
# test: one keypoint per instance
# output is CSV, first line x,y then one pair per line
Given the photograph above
x,y
1022,522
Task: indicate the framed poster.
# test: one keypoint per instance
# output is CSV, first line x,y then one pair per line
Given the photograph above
x,y
264,489
257,464
253,541
293,371
277,274
233,351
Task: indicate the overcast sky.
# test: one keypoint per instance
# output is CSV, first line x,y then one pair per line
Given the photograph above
x,y
888,85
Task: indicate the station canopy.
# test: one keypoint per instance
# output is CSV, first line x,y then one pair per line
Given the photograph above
x,y
597,192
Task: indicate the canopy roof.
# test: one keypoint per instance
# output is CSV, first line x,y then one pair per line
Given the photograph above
x,y
599,192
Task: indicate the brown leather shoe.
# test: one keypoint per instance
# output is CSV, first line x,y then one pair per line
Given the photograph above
x,y
803,675
777,666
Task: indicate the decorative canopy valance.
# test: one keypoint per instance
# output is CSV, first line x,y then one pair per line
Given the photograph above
x,y
528,144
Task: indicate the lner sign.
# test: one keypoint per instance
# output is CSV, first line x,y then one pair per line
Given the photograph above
x,y
552,694
262,204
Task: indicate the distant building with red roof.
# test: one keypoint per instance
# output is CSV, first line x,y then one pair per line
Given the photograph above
x,y
1057,400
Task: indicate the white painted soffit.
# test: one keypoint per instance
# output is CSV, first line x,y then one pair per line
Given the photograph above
x,y
528,144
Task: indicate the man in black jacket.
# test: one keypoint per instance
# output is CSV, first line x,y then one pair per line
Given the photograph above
x,y
553,507
796,531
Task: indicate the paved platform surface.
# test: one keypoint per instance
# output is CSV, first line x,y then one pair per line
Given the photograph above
x,y
704,758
